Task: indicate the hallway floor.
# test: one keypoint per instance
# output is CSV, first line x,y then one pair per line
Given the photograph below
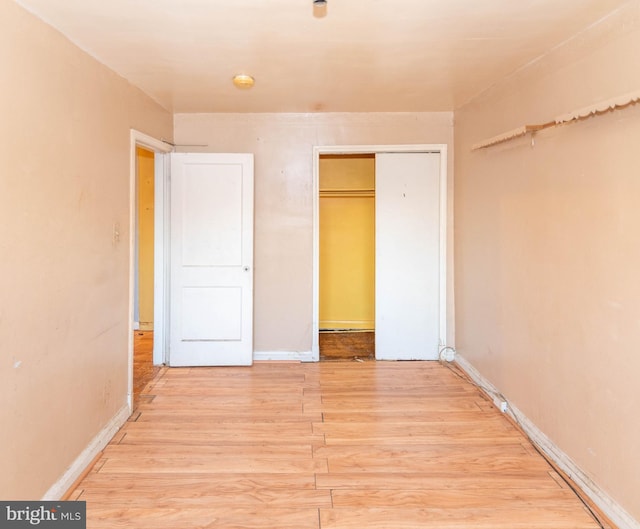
x,y
338,445
143,369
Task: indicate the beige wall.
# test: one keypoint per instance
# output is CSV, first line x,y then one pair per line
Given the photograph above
x,y
547,252
64,184
282,145
145,161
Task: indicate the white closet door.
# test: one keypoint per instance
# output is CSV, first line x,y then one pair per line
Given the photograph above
x,y
407,256
211,248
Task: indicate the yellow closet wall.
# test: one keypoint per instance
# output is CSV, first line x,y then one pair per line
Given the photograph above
x,y
347,242
145,238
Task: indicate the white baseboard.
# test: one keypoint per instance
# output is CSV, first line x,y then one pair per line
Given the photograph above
x,y
299,356
60,487
606,503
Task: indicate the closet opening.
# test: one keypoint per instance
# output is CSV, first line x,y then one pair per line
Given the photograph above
x,y
347,257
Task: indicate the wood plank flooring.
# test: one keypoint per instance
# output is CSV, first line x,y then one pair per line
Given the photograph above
x,y
393,445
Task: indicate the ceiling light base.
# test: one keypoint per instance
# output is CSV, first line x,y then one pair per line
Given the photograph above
x,y
243,81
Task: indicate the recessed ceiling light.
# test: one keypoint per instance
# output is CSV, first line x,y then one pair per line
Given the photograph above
x,y
243,81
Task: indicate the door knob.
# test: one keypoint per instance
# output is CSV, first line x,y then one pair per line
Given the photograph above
x,y
246,268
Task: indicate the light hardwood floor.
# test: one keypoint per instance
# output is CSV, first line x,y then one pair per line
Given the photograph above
x,y
330,445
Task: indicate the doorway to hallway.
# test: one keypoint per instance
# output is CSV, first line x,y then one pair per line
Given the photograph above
x,y
143,368
146,273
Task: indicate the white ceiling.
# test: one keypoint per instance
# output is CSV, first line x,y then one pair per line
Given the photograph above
x,y
363,56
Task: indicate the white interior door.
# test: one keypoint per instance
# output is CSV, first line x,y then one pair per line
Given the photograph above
x,y
211,249
407,256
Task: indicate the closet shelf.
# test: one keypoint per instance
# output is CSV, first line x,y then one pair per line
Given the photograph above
x,y
347,192
613,103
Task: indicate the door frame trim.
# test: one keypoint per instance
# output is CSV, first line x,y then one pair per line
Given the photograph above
x,y
140,139
439,148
